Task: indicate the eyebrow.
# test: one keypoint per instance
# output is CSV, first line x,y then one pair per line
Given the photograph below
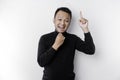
x,y
61,17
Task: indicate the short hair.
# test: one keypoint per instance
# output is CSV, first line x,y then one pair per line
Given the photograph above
x,y
65,9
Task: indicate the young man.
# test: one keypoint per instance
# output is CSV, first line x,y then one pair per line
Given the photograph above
x,y
56,50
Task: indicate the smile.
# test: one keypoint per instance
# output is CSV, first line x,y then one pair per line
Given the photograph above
x,y
61,27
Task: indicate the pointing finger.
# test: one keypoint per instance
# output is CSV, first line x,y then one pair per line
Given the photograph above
x,y
81,16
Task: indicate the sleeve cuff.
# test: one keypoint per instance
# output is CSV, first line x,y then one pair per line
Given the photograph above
x,y
52,51
88,33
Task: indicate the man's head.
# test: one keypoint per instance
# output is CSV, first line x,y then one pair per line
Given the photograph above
x,y
62,19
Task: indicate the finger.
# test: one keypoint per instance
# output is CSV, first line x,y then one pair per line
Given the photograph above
x,y
60,34
63,38
81,16
82,20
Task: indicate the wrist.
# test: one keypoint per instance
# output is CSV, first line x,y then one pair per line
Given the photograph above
x,y
54,46
86,30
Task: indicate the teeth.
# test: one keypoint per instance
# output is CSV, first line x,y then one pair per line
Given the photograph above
x,y
61,27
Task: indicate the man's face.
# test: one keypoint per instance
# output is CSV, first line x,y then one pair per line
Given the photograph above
x,y
62,21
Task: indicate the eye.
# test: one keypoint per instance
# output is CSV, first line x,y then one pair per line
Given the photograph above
x,y
67,21
60,19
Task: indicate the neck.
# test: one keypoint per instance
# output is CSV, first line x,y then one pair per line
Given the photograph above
x,y
64,33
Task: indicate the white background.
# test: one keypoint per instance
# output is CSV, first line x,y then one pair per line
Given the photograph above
x,y
22,22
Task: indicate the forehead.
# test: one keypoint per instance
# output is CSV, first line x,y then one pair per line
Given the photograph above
x,y
62,14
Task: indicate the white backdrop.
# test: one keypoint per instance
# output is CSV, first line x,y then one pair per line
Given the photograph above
x,y
22,22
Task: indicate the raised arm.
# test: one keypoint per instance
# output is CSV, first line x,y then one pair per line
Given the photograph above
x,y
87,46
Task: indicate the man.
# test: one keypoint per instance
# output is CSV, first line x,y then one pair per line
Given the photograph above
x,y
57,49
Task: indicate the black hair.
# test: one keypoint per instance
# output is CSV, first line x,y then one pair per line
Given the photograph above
x,y
65,9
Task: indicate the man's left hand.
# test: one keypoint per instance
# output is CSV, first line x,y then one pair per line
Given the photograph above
x,y
83,23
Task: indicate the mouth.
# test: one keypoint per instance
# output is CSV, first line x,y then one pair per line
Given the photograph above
x,y
61,27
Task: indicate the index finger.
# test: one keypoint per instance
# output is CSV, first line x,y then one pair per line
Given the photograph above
x,y
81,16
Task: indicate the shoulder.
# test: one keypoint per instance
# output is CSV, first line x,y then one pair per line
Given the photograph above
x,y
72,35
75,37
46,36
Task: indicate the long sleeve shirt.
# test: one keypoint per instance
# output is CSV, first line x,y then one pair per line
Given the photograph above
x,y
58,65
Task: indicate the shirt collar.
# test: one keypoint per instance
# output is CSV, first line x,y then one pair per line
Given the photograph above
x,y
64,33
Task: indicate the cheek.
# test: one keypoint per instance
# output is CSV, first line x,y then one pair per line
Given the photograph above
x,y
67,24
57,22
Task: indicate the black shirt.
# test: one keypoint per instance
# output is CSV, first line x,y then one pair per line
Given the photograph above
x,y
58,65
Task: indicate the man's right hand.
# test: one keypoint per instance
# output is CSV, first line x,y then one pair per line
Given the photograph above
x,y
58,41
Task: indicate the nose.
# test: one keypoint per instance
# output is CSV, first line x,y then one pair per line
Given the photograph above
x,y
63,23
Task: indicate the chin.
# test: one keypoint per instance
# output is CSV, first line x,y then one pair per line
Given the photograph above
x,y
61,31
